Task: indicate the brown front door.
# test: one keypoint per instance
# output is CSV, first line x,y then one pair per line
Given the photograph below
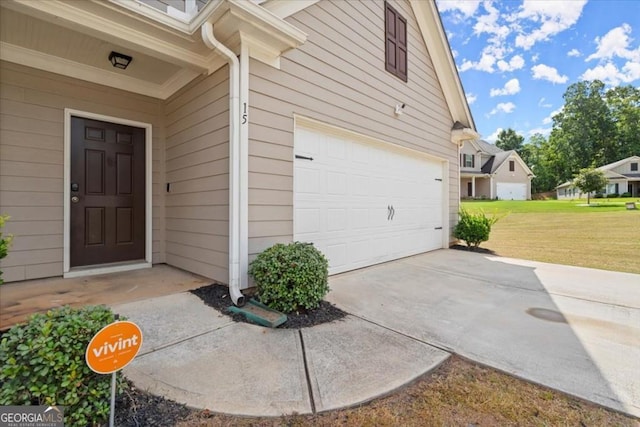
x,y
107,192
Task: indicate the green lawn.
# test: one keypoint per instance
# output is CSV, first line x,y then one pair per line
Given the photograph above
x,y
604,235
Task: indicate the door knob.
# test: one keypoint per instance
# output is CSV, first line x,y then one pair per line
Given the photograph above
x,y
75,199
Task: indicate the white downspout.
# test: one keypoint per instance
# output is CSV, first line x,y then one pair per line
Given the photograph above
x,y
234,161
244,164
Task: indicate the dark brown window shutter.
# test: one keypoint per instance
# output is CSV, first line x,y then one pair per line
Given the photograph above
x,y
401,48
396,42
473,161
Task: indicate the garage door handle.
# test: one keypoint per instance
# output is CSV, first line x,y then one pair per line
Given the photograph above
x,y
393,212
298,156
388,212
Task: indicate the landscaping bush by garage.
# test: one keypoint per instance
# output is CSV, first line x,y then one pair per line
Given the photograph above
x,y
473,227
291,277
42,362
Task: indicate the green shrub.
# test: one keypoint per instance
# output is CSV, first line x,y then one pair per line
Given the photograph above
x,y
599,196
613,195
290,277
42,362
626,194
5,242
473,227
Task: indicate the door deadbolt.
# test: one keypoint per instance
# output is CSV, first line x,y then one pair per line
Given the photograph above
x,y
75,199
74,186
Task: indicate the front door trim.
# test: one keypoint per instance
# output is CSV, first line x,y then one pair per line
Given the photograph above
x,y
108,268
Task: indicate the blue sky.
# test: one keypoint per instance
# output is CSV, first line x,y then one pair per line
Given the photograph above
x,y
517,58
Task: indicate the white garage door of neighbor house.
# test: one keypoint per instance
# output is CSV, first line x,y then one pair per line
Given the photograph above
x,y
511,191
363,203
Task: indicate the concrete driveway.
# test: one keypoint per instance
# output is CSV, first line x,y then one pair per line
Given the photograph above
x,y
573,329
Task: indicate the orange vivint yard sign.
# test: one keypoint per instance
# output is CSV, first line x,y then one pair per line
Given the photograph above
x,y
113,347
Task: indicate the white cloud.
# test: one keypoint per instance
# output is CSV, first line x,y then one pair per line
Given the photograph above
x,y
553,16
544,72
510,88
541,103
549,119
485,64
471,98
611,75
504,107
534,58
493,136
488,23
466,7
574,52
516,63
543,131
615,44
454,53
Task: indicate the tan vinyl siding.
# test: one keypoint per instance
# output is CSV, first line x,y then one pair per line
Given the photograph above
x,y
338,77
483,188
197,156
32,104
479,160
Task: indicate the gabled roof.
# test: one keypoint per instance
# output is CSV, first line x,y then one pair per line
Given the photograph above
x,y
607,169
619,163
487,147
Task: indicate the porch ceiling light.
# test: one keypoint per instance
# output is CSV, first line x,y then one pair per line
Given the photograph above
x,y
119,60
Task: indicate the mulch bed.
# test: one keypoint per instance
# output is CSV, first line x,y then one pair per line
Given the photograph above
x,y
136,408
217,296
472,249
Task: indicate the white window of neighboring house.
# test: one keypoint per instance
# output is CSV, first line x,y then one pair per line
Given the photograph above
x,y
634,167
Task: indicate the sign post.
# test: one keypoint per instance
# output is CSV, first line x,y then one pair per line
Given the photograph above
x,y
110,350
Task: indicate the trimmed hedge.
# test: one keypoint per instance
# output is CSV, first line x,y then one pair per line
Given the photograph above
x,y
290,277
42,362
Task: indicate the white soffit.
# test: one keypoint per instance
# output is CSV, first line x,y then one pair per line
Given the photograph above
x,y
74,38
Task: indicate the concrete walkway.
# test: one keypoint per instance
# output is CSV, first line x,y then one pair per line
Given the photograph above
x,y
573,329
193,354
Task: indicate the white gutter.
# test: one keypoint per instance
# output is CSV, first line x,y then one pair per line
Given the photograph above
x,y
234,161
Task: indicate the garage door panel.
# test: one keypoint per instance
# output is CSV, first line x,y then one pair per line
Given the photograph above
x,y
335,183
336,148
337,219
307,220
511,191
359,185
343,206
337,255
307,181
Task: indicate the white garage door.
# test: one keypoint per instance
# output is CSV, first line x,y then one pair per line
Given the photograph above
x,y
365,203
510,191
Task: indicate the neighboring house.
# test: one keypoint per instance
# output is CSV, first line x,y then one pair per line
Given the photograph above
x,y
237,125
623,176
488,172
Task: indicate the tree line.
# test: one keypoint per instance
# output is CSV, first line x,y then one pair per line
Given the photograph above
x,y
595,127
